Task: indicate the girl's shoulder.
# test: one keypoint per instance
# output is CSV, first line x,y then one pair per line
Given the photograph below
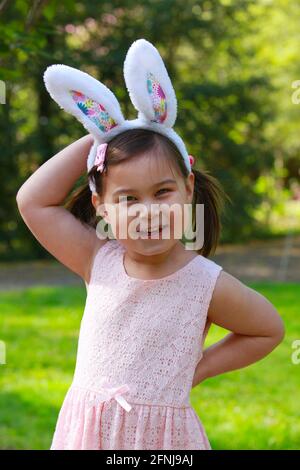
x,y
208,267
207,273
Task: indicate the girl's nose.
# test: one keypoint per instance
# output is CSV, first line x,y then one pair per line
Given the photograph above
x,y
149,209
149,216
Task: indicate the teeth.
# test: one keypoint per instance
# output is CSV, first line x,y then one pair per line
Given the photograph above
x,y
148,233
154,231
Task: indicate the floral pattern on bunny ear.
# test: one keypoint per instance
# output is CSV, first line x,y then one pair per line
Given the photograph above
x,y
158,98
94,111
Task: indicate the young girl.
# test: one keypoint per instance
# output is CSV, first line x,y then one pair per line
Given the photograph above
x,y
150,301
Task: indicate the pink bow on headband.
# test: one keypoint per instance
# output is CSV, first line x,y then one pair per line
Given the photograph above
x,y
100,156
192,160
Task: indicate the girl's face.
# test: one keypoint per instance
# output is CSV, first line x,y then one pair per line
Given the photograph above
x,y
146,194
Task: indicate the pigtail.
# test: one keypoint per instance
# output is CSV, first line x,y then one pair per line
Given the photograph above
x,y
208,191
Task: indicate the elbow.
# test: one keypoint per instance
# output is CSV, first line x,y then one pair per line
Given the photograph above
x,y
19,195
275,325
278,331
22,200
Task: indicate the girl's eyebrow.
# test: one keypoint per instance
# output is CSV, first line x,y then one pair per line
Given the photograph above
x,y
128,190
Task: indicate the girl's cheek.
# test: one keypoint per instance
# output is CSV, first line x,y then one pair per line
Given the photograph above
x,y
187,217
177,221
119,221
122,222
114,216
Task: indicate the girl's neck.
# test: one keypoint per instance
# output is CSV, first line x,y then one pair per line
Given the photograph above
x,y
159,265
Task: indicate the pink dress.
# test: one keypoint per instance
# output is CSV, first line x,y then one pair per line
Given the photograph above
x,y
139,344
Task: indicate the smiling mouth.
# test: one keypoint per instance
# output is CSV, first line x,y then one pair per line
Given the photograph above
x,y
152,232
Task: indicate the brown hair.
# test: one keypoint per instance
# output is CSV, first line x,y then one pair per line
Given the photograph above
x,y
130,144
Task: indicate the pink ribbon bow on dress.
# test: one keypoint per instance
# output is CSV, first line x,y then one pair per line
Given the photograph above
x,y
107,392
100,156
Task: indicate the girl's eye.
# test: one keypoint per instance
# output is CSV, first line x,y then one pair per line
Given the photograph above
x,y
127,198
164,189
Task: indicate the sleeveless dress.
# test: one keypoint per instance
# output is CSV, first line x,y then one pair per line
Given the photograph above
x,y
139,344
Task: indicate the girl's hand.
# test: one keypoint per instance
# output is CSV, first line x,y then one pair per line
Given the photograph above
x,y
65,237
256,328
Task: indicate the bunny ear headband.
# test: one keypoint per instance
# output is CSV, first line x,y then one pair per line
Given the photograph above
x,y
96,107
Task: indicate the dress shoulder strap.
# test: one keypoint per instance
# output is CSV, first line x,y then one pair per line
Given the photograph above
x,y
210,273
104,260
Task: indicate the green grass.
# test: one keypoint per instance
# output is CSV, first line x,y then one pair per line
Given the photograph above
x,y
253,408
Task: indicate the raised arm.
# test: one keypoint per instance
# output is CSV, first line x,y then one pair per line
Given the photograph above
x,y
39,202
256,328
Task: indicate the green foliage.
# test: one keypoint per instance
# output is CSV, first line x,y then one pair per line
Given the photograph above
x,y
232,65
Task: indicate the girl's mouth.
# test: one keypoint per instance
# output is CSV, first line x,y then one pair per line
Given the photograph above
x,y
149,233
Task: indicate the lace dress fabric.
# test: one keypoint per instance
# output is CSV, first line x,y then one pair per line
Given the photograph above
x,y
139,344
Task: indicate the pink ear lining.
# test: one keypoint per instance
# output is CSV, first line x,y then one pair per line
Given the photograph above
x,y
158,98
94,111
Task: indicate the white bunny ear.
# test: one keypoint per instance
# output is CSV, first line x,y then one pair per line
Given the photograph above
x,y
89,100
149,85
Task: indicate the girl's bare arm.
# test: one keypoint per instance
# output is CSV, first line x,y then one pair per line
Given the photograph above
x,y
39,202
256,328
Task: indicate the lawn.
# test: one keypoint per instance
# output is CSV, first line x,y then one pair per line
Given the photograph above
x,y
253,408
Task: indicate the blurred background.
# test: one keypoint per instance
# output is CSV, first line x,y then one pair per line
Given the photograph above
x,y
234,66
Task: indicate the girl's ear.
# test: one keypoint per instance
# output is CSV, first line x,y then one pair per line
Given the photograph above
x,y
149,85
89,100
98,205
